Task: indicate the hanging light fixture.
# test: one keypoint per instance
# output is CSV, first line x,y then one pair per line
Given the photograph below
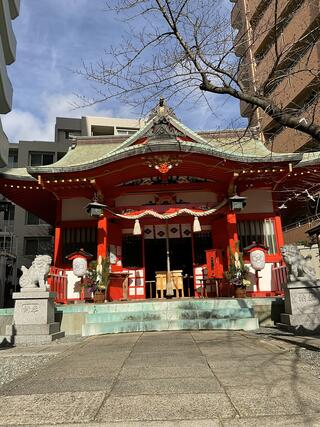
x,y
95,208
136,228
237,203
196,225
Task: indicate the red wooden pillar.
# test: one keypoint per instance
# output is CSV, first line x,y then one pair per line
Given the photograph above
x,y
232,237
232,231
278,232
57,252
102,248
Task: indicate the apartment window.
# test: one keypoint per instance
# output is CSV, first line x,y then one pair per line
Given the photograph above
x,y
259,231
32,219
38,246
13,158
125,131
8,210
40,159
278,28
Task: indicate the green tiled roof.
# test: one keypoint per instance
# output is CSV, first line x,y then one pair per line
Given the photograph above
x,y
85,153
16,173
90,152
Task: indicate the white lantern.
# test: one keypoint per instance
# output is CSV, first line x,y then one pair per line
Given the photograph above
x,y
79,266
258,259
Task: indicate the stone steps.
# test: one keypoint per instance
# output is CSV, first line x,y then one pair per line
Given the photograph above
x,y
160,305
169,315
165,325
192,314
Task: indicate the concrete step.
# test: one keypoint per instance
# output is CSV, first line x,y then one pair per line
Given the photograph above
x,y
163,325
34,329
160,305
139,316
36,339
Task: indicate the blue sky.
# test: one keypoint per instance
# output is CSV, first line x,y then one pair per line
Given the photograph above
x,y
53,38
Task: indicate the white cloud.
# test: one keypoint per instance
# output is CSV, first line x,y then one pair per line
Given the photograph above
x,y
24,125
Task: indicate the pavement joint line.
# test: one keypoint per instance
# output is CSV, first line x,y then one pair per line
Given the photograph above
x,y
107,395
219,382
34,372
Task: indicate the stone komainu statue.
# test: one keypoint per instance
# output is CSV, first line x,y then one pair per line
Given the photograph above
x,y
37,274
299,267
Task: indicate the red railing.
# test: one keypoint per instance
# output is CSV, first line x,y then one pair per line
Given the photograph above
x,y
279,278
58,283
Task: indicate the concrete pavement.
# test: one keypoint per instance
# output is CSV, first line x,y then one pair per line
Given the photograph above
x,y
200,378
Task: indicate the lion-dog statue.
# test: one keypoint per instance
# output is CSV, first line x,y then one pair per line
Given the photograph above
x,y
37,275
299,267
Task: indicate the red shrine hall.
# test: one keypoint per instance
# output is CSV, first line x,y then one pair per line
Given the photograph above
x,y
164,200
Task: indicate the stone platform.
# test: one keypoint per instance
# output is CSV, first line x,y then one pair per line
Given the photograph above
x,y
302,302
193,314
33,318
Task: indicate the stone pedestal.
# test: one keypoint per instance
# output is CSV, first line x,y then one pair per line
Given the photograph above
x,y
33,318
302,306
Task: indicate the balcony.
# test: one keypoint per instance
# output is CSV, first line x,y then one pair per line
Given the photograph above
x,y
290,140
236,15
240,43
4,145
266,24
6,32
14,6
303,75
5,85
302,20
245,109
6,226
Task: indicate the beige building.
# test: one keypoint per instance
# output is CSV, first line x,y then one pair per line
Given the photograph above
x,y
9,10
293,50
26,233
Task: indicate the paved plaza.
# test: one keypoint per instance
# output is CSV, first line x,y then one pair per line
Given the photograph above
x,y
201,378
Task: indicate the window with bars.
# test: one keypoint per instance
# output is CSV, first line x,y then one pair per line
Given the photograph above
x,y
39,159
38,246
32,219
75,238
201,242
259,231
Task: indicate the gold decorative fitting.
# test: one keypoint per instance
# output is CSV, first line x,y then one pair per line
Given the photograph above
x,y
163,163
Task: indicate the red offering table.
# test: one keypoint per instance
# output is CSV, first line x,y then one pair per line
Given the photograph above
x,y
118,286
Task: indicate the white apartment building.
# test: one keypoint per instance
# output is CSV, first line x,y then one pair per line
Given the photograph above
x,y
9,10
31,234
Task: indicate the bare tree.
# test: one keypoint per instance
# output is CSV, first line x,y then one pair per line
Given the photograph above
x,y
186,48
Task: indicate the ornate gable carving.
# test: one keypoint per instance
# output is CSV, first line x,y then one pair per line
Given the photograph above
x,y
163,129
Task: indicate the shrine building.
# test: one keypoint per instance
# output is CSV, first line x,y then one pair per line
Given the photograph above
x,y
165,198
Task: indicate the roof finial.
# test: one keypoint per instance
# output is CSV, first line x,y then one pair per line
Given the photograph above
x,y
161,109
